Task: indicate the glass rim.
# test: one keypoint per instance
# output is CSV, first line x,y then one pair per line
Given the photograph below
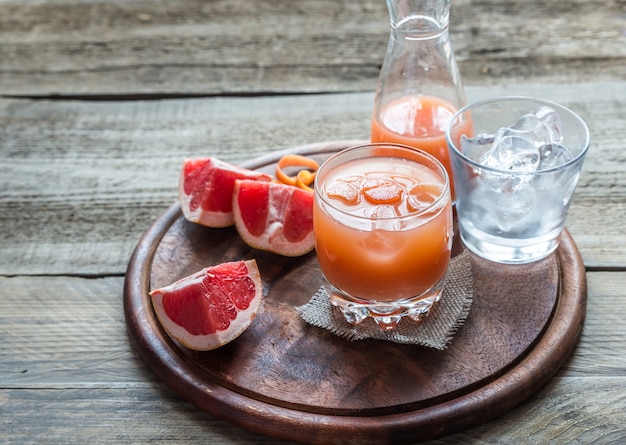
x,y
438,202
457,152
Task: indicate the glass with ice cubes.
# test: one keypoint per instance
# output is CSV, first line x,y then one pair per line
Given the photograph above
x,y
515,171
382,218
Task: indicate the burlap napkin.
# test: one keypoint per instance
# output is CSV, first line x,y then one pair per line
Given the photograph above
x,y
436,330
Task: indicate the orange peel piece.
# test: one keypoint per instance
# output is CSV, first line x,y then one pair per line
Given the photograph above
x,y
304,177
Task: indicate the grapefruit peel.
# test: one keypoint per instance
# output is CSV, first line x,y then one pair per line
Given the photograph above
x,y
304,177
211,307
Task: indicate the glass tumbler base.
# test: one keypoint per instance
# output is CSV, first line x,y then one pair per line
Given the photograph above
x,y
509,251
386,314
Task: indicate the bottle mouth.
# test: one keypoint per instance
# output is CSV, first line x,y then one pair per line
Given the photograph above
x,y
420,26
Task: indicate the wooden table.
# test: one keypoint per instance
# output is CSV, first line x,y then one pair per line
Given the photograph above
x,y
101,101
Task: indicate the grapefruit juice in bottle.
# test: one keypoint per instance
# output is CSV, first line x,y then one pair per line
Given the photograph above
x,y
417,121
383,231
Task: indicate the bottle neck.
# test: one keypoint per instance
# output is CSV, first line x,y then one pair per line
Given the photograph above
x,y
419,19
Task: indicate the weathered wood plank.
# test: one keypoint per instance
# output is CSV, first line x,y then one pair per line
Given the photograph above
x,y
583,410
62,332
231,47
602,346
117,166
81,181
147,414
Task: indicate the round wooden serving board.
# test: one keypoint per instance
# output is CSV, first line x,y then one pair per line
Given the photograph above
x,y
287,379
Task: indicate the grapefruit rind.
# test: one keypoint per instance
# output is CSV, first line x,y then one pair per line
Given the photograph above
x,y
219,338
284,226
205,189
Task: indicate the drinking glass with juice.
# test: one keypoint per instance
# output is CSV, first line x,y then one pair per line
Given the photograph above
x,y
382,219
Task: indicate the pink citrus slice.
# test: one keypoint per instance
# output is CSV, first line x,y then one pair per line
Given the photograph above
x,y
211,307
274,217
205,190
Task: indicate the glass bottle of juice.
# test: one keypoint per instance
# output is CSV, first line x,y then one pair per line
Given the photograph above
x,y
419,88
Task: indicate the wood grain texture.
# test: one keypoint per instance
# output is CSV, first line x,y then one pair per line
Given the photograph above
x,y
81,181
82,177
192,47
585,410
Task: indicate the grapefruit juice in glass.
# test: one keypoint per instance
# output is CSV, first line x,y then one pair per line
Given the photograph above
x,y
382,219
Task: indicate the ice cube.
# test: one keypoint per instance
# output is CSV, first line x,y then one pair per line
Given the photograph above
x,y
513,151
379,247
553,155
515,213
384,217
543,123
524,147
475,146
505,182
382,211
506,213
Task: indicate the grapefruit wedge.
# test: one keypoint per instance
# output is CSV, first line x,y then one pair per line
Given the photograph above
x,y
205,190
211,307
274,217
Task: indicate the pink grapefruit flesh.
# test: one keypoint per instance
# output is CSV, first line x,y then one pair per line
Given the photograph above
x,y
274,217
205,190
211,307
